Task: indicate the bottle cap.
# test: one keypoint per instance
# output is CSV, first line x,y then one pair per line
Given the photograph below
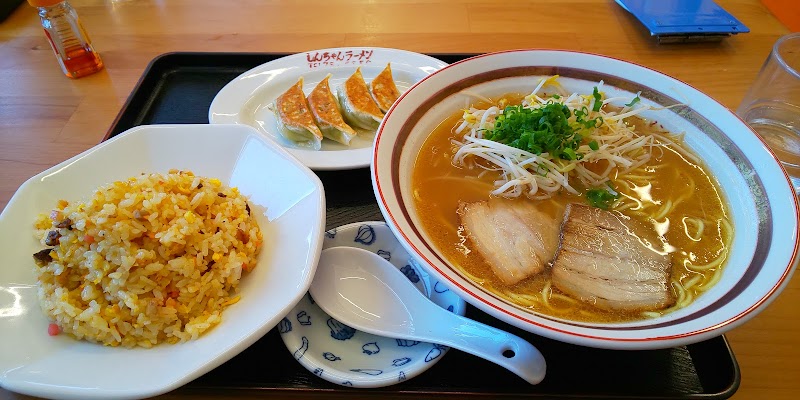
x,y
44,3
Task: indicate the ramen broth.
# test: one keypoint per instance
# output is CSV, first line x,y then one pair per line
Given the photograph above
x,y
670,193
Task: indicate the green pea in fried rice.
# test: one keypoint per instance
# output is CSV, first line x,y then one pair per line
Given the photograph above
x,y
153,259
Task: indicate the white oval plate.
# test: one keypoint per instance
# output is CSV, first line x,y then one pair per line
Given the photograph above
x,y
245,100
348,357
33,363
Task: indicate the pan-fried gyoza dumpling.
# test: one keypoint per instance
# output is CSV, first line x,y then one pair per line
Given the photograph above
x,y
326,114
384,91
357,105
295,119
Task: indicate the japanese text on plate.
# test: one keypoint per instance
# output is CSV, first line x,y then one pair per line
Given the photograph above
x,y
342,57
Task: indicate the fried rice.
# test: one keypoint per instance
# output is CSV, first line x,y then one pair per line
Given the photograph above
x,y
153,259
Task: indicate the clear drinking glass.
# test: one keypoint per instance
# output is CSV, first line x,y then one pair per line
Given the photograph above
x,y
772,105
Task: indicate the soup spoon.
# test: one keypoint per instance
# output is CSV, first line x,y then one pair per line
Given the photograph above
x,y
363,290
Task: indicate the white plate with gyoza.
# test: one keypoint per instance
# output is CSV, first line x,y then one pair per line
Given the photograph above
x,y
249,99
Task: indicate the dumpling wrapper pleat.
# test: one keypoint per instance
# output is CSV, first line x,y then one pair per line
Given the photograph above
x,y
384,90
357,105
327,115
295,119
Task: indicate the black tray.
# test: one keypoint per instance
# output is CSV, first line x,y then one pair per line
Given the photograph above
x,y
179,87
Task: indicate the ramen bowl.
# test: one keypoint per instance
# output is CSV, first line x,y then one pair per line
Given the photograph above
x,y
761,204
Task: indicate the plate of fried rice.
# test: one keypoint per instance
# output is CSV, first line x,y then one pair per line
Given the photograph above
x,y
152,258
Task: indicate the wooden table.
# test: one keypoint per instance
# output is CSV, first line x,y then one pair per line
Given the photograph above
x,y
46,118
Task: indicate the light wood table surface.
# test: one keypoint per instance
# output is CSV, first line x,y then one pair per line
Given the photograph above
x,y
46,118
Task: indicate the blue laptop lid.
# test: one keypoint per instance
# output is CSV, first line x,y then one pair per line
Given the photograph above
x,y
684,17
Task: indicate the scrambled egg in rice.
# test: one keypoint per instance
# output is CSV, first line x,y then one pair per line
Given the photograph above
x,y
153,259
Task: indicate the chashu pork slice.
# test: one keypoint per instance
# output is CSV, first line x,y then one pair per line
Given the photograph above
x,y
515,238
609,260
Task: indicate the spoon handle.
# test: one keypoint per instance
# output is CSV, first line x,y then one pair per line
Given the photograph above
x,y
502,348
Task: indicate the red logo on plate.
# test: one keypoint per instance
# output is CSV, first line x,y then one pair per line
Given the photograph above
x,y
335,58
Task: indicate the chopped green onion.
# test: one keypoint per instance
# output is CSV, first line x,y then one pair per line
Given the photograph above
x,y
634,101
602,198
543,129
593,145
598,100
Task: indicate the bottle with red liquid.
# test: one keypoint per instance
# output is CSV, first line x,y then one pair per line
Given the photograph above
x,y
67,37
